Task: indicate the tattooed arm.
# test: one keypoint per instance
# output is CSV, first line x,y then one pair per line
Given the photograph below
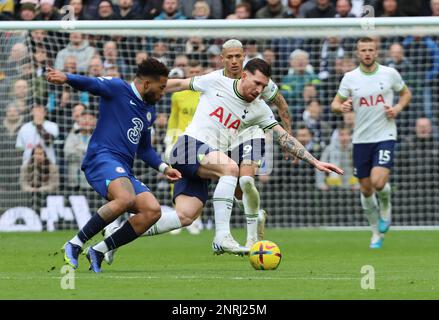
x,y
282,109
296,149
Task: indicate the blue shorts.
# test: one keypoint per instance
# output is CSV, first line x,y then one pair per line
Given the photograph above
x,y
186,156
369,155
253,149
104,168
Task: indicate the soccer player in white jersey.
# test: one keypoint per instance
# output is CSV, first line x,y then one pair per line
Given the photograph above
x,y
201,152
369,90
249,149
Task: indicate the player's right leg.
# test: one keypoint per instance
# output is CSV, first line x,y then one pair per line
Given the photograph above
x,y
362,158
121,194
217,165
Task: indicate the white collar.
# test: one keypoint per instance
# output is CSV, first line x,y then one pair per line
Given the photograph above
x,y
135,91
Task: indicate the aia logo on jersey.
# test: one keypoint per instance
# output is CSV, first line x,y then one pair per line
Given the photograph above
x,y
371,101
226,121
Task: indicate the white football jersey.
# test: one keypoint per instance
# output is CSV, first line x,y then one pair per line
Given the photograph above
x,y
370,92
268,95
222,113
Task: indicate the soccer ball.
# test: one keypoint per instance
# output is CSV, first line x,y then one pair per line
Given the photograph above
x,y
265,255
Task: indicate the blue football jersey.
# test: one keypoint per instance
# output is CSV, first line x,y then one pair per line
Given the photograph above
x,y
125,120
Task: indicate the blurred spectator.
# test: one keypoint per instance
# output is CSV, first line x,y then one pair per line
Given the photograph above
x,y
339,152
77,112
95,68
151,9
388,8
418,169
343,9
243,10
201,10
298,76
10,157
170,11
323,9
160,52
182,61
434,5
106,11
38,131
196,49
423,53
78,47
303,174
48,11
273,10
79,11
74,149
113,71
21,97
214,57
112,59
18,56
188,7
39,174
7,8
332,49
348,122
127,10
313,119
27,11
293,9
251,51
39,83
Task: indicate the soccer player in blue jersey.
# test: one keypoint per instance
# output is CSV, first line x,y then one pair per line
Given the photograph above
x,y
126,114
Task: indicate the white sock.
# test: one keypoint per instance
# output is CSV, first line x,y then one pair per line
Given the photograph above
x,y
261,215
385,203
223,204
77,241
371,210
239,203
101,247
251,201
167,222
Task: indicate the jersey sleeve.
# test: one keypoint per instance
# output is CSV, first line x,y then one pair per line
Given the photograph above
x,y
397,83
270,91
147,153
202,83
344,90
101,86
267,120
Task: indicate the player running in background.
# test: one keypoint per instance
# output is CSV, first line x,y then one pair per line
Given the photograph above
x,y
201,152
126,114
369,89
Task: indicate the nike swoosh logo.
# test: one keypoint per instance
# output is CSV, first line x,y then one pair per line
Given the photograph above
x,y
131,102
218,95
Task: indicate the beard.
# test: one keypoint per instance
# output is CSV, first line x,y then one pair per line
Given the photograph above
x,y
150,98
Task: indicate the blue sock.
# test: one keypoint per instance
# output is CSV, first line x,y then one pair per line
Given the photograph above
x,y
123,235
93,226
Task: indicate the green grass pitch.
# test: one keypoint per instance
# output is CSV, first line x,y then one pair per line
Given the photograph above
x,y
316,264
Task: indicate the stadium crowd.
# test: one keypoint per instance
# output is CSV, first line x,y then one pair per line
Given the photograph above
x,y
41,123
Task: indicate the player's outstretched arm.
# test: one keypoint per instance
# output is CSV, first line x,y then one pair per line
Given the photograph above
x,y
174,85
290,144
97,86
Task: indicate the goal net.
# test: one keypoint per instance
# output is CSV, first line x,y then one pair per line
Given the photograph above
x,y
308,59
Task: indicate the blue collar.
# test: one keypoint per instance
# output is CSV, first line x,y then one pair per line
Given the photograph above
x,y
133,87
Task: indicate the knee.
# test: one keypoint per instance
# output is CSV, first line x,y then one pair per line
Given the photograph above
x,y
366,191
155,213
186,218
231,169
126,201
246,183
378,184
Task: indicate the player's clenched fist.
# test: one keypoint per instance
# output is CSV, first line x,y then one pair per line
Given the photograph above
x,y
346,106
55,76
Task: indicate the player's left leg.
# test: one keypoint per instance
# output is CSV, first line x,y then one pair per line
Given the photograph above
x,y
379,178
147,210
